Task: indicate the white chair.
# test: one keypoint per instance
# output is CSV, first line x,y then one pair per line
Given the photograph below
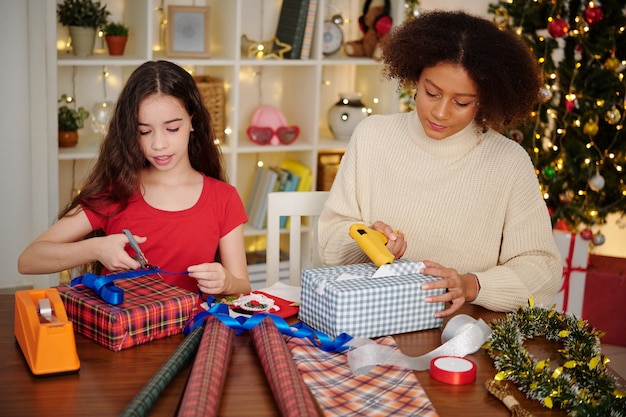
x,y
303,250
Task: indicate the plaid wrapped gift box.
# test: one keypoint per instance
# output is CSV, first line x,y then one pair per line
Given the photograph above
x,y
348,299
151,310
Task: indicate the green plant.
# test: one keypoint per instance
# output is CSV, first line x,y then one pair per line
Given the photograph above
x,y
115,29
71,119
84,13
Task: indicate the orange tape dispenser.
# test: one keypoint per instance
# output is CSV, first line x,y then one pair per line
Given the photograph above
x,y
44,333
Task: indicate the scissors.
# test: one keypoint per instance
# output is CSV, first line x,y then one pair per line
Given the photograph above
x,y
140,257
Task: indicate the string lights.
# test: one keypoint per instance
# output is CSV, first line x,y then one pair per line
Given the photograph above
x,y
576,136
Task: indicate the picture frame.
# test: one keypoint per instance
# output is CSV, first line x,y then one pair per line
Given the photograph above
x,y
188,32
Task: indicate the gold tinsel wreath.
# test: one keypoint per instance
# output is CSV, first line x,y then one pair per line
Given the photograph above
x,y
581,384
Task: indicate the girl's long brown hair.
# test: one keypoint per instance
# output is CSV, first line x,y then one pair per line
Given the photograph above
x,y
115,177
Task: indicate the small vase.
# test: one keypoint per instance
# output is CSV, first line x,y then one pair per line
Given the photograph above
x,y
344,115
68,138
116,44
83,40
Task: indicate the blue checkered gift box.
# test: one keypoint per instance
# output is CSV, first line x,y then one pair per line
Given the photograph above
x,y
348,299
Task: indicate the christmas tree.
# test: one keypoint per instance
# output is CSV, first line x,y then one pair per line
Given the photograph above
x,y
576,136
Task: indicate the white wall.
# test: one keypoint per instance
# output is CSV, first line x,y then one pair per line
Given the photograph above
x,y
23,115
15,209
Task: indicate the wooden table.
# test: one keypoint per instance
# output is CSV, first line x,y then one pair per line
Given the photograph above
x,y
108,381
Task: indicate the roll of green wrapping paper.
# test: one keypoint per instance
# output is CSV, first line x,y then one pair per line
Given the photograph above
x,y
143,402
207,377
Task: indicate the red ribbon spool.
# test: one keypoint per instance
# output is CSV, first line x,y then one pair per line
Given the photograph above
x,y
453,370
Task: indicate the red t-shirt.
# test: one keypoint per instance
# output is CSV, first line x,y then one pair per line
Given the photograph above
x,y
178,239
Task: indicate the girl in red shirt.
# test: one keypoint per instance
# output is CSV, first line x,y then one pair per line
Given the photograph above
x,y
159,174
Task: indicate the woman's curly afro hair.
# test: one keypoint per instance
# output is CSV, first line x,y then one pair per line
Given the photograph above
x,y
504,71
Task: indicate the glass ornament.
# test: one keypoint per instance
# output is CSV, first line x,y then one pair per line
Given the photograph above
x,y
546,94
598,239
558,27
549,172
586,234
596,183
593,14
101,114
612,116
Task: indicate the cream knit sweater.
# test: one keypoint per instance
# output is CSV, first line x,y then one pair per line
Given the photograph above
x,y
469,202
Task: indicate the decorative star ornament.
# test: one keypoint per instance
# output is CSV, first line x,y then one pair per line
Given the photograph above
x,y
279,50
269,49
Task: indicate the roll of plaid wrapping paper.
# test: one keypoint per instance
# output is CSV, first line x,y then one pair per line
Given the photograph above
x,y
292,396
143,402
208,373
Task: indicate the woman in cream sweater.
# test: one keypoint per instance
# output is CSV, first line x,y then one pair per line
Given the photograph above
x,y
460,196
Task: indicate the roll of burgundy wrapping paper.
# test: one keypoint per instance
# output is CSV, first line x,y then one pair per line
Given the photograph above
x,y
208,374
292,396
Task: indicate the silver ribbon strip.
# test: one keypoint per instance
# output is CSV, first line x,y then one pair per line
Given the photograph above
x,y
462,336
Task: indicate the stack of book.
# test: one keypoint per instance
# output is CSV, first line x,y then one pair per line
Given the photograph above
x,y
291,175
295,27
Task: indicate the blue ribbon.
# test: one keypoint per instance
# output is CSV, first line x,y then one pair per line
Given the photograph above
x,y
104,287
241,323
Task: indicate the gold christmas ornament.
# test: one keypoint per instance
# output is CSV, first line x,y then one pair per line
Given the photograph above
x,y
611,63
591,128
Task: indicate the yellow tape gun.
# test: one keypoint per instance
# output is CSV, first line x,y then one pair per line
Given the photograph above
x,y
372,242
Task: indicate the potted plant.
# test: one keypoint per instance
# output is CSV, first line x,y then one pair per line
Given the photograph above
x,y
82,17
69,121
116,35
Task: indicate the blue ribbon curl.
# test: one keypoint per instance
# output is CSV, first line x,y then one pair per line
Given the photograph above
x,y
241,323
104,287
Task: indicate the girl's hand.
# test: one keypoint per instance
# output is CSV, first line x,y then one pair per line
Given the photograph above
x,y
112,253
396,239
212,277
460,288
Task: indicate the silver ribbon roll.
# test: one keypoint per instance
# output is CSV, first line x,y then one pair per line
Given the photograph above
x,y
462,336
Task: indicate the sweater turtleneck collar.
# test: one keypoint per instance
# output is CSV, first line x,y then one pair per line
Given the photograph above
x,y
451,147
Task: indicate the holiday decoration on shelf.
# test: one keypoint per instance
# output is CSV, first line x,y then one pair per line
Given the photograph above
x,y
576,137
269,49
579,384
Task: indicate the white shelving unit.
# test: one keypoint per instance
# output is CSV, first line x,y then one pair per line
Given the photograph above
x,y
303,89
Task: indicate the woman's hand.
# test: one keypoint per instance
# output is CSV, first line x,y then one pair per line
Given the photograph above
x,y
212,277
460,288
396,241
112,253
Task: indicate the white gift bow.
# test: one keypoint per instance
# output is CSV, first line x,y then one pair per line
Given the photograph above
x,y
462,336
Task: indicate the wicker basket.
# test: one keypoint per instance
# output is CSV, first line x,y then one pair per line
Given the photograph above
x,y
327,166
214,97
